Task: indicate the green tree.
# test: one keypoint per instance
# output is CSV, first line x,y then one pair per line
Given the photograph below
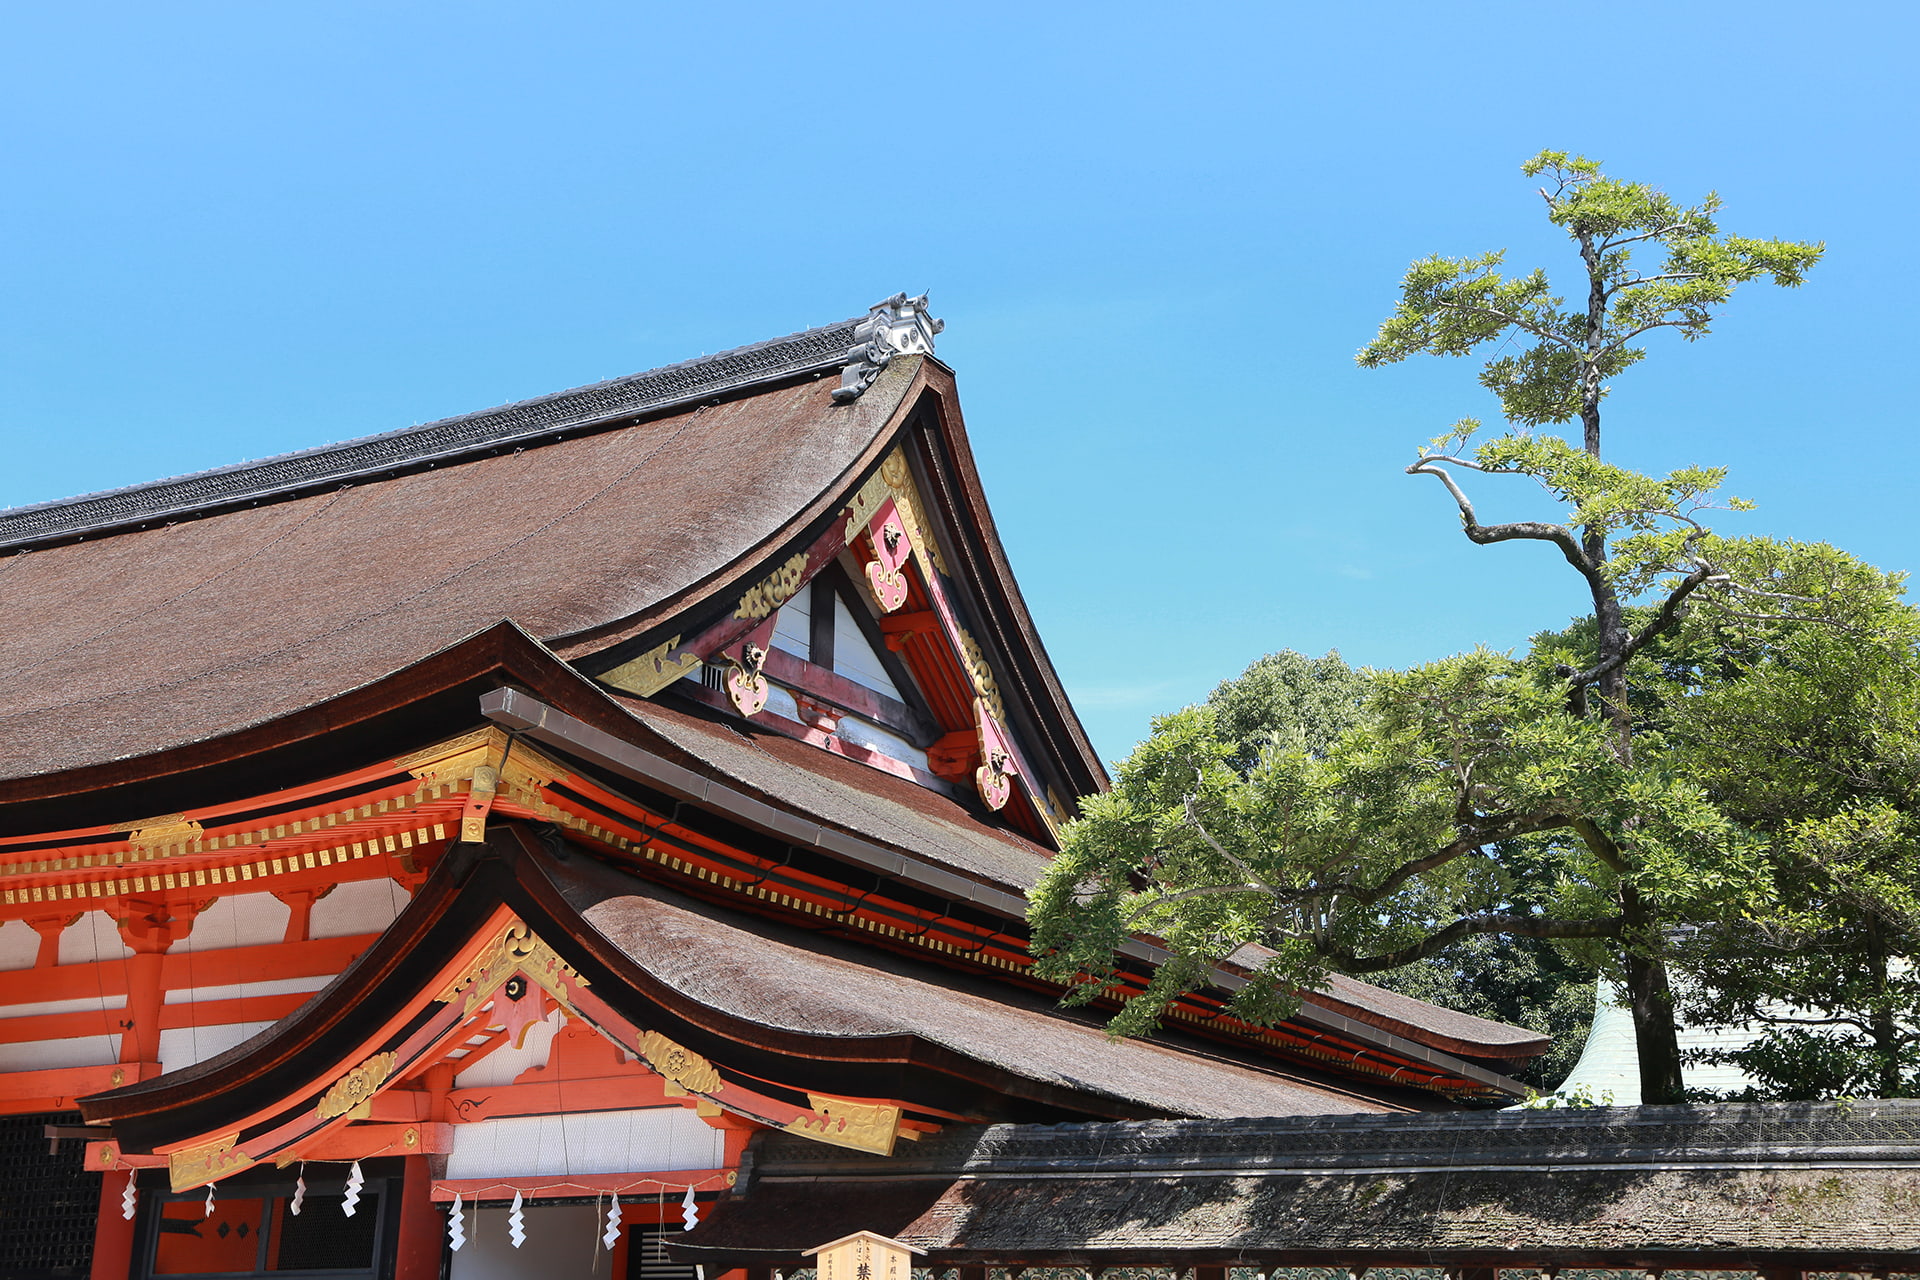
x,y
1807,735
1287,700
1468,776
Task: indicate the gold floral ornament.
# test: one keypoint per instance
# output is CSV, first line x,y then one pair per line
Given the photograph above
x,y
864,1126
778,588
653,670
515,949
208,1162
685,1070
352,1094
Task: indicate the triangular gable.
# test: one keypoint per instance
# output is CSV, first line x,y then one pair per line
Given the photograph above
x,y
929,657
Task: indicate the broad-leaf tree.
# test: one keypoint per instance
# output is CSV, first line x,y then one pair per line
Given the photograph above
x,y
1400,838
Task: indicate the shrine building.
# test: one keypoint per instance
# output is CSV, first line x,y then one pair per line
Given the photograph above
x,y
589,837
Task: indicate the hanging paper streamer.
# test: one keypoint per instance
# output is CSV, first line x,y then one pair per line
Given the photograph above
x,y
299,1192
689,1211
516,1226
209,1199
457,1224
128,1198
612,1235
351,1202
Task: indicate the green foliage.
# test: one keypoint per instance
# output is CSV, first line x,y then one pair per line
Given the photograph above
x,y
1452,306
1290,701
1366,822
1524,982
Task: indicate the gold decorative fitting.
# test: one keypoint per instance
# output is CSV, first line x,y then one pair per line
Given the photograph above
x,y
775,590
864,1126
208,1162
747,681
515,949
653,670
894,480
118,1078
683,1069
352,1094
172,828
982,675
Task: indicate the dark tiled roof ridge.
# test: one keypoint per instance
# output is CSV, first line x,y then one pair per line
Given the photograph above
x,y
519,422
1871,1131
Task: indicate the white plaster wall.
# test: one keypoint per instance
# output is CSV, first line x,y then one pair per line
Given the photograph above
x,y
19,945
643,1140
95,937
241,990
358,906
562,1244
243,920
184,1046
506,1062
41,1055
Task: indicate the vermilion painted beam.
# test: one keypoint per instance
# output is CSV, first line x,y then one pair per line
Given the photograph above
x,y
265,962
364,1141
60,1026
54,1088
606,1093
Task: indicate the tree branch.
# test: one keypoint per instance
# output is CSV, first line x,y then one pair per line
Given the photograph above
x,y
1526,326
1604,846
1489,922
1669,615
1485,535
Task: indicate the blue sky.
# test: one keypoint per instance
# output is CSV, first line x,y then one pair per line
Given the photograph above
x,y
1157,235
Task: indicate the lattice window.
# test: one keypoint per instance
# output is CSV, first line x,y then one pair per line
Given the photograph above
x,y
48,1201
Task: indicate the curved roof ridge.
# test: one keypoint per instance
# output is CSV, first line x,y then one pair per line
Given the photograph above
x,y
519,422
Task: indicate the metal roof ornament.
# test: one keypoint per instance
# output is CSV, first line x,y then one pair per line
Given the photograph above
x,y
900,326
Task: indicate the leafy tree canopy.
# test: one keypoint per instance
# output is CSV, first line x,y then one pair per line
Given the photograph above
x,y
1544,796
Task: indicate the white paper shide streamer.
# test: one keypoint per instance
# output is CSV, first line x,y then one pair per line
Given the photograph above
x,y
689,1211
516,1224
299,1200
351,1200
457,1224
129,1198
611,1236
209,1199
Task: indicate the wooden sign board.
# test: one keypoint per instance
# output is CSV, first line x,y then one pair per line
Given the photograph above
x,y
864,1255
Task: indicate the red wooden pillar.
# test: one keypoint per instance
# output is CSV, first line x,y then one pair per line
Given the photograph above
x,y
423,1232
112,1233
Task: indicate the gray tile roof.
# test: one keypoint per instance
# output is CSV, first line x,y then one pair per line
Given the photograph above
x,y
525,422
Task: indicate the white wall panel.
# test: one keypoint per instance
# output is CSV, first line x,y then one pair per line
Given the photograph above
x,y
639,1141
358,906
42,1055
184,1046
242,920
95,937
19,945
506,1062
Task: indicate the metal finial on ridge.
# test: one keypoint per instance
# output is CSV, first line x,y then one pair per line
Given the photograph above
x,y
900,326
